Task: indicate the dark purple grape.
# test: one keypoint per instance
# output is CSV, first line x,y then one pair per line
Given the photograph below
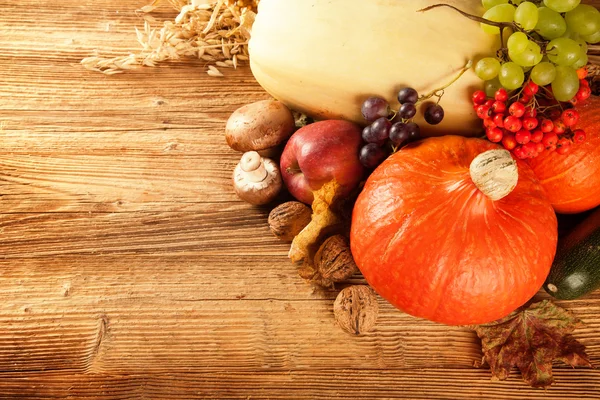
x,y
370,136
371,155
414,131
375,107
408,95
407,110
380,130
399,134
434,114
366,134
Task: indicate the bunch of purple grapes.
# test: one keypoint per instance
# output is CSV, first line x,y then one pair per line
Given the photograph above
x,y
388,132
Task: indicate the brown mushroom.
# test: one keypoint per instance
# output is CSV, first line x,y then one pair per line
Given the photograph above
x,y
257,180
260,126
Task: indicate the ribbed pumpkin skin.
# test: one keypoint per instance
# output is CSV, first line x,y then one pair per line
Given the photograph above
x,y
572,181
433,245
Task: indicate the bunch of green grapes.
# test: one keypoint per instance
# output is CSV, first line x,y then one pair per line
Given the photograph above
x,y
546,43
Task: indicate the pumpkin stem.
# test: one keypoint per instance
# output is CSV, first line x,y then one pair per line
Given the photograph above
x,y
495,173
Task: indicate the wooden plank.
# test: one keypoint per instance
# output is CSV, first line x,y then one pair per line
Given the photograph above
x,y
75,26
163,334
162,111
425,384
113,113
211,228
93,183
182,121
199,313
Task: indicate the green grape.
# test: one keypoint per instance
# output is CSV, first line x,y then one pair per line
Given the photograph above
x,y
506,34
487,4
511,76
491,87
584,20
499,13
581,62
561,6
517,42
551,24
563,51
593,38
517,2
566,83
583,45
528,58
569,34
526,15
543,74
487,68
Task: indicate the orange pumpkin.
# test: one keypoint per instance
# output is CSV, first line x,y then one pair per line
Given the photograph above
x,y
427,237
572,181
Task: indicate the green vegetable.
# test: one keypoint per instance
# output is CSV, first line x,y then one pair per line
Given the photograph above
x,y
576,268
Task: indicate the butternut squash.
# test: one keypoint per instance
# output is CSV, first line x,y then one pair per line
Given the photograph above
x,y
324,57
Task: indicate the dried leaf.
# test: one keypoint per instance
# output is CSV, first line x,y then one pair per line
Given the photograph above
x,y
308,271
323,221
531,339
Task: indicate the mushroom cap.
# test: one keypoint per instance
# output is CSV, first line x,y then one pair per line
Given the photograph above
x,y
258,193
259,126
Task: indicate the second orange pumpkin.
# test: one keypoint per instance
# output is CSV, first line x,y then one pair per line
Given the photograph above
x,y
572,181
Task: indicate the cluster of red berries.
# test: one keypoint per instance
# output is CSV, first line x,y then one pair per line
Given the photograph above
x,y
584,91
523,128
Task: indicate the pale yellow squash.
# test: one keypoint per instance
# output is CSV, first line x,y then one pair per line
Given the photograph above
x,y
324,57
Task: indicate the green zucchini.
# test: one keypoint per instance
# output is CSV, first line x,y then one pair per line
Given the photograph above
x,y
576,268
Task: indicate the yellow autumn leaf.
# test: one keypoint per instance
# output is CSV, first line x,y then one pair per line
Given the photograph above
x,y
324,220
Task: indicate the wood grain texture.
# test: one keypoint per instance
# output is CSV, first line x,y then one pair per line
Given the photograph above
x,y
129,269
425,384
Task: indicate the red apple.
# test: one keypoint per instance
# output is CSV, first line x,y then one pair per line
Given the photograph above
x,y
320,152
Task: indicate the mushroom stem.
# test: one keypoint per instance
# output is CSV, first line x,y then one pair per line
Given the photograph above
x,y
495,173
253,166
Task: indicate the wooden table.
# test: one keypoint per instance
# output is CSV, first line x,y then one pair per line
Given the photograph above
x,y
129,269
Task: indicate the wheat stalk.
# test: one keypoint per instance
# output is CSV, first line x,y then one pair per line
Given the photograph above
x,y
215,31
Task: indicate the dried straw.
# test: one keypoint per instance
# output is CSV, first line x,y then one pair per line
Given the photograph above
x,y
215,31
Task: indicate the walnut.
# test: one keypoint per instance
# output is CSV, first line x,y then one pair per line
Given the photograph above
x,y
356,309
334,260
331,264
288,219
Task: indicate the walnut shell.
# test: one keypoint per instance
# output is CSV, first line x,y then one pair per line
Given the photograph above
x,y
356,309
288,219
334,260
